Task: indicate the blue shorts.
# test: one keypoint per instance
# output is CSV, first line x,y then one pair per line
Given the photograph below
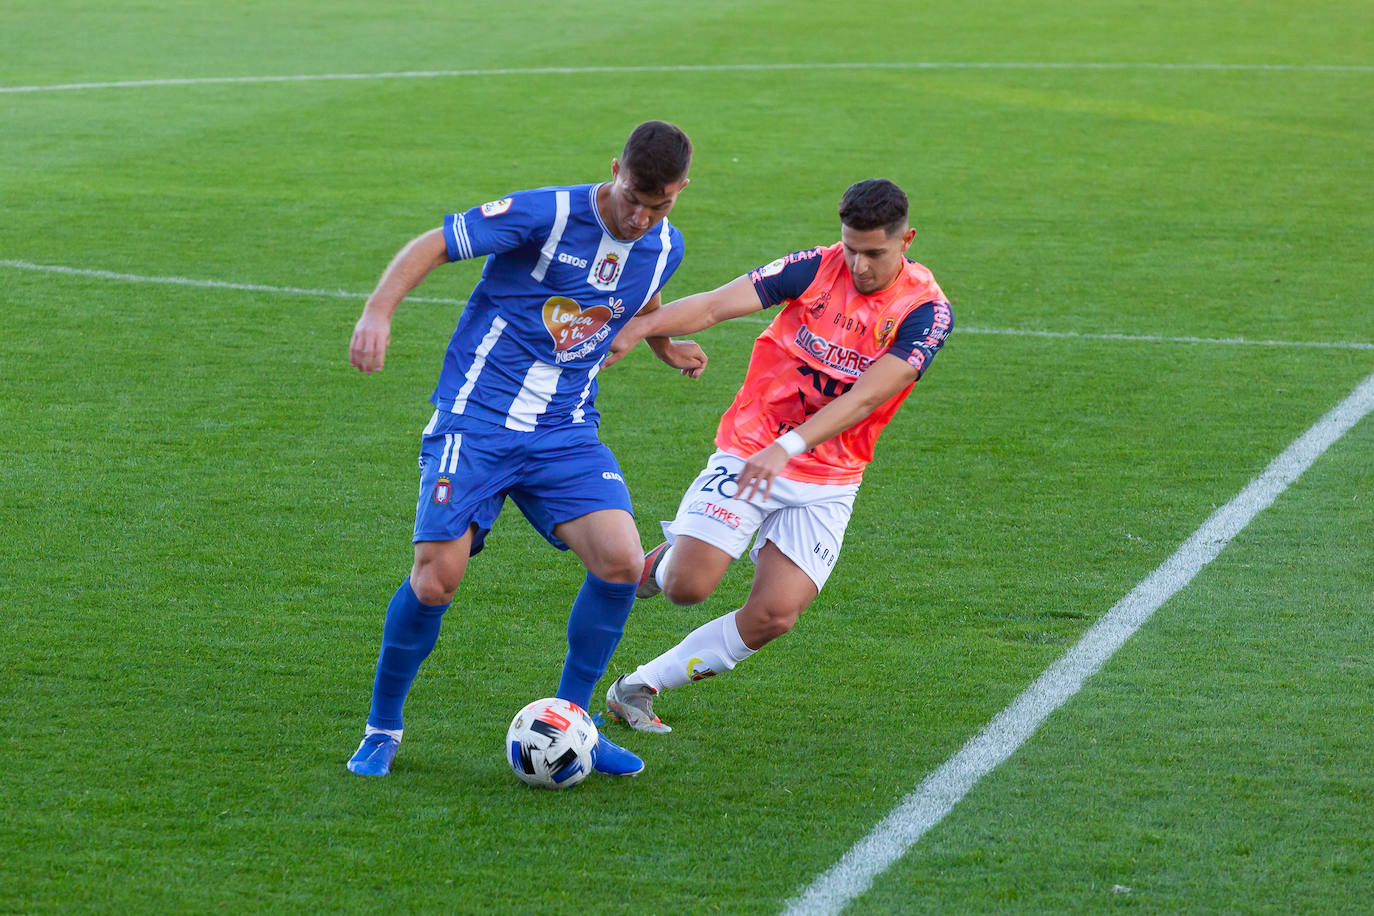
x,y
468,468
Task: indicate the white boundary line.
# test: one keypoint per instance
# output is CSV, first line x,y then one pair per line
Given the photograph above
x,y
1159,338
360,297
699,68
937,795
209,284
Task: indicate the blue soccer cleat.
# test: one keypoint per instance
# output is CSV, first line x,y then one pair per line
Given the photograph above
x,y
614,760
374,755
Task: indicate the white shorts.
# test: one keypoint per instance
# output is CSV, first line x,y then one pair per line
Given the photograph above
x,y
806,521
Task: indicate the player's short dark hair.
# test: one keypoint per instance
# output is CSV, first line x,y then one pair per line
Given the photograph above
x,y
657,155
874,203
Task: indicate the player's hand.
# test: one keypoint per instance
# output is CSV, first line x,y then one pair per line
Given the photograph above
x,y
758,472
685,356
367,349
624,342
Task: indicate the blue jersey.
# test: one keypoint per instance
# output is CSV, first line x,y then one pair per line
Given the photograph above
x,y
556,287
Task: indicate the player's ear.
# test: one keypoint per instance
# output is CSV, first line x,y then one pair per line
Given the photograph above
x,y
615,168
907,237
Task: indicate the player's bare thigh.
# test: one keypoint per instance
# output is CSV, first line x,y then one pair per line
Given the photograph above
x,y
781,591
607,543
694,570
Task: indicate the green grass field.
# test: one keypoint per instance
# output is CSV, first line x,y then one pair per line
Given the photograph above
x,y
1154,221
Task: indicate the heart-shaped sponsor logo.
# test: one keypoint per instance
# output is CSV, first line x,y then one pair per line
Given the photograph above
x,y
569,323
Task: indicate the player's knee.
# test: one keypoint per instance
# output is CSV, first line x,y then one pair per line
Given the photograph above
x,y
777,625
435,583
686,589
763,623
615,568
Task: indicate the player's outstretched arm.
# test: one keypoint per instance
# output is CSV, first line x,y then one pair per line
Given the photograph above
x,y
686,315
683,355
876,386
372,333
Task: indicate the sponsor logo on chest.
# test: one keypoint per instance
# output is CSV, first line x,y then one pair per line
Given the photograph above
x,y
578,330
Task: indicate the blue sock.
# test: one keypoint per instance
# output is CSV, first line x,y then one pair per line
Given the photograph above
x,y
408,636
595,625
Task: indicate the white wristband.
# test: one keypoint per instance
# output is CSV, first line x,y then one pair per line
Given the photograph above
x,y
792,443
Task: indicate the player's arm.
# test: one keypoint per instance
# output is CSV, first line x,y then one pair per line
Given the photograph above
x,y
372,333
882,381
683,355
687,315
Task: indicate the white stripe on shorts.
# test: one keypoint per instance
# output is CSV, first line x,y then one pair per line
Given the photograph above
x,y
455,443
443,459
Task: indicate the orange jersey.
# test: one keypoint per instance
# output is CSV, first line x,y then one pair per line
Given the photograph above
x,y
821,341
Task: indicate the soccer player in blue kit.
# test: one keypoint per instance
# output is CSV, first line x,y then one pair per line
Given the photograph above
x,y
514,407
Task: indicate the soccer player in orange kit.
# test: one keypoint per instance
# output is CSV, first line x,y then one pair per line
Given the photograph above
x,y
859,324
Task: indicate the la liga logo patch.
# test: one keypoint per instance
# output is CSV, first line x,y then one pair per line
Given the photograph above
x,y
496,207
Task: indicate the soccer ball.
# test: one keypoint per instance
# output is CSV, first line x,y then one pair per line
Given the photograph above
x,y
551,744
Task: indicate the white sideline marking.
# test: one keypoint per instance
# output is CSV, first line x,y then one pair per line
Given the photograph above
x,y
347,294
1156,338
209,284
695,68
934,798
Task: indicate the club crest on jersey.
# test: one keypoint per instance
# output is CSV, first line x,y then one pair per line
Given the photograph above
x,y
496,207
607,270
817,308
443,491
884,333
609,263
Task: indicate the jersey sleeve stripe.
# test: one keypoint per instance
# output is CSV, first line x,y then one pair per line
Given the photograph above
x,y
464,239
560,221
451,241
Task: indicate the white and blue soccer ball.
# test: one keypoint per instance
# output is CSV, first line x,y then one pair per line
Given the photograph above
x,y
551,744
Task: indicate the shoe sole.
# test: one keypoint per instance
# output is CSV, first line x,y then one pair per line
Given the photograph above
x,y
648,586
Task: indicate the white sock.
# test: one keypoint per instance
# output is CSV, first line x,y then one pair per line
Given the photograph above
x,y
710,649
389,732
660,571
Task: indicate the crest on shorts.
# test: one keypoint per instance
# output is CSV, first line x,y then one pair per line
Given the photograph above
x,y
443,491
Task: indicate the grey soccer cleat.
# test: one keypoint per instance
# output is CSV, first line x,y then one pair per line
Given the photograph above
x,y
648,585
634,705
